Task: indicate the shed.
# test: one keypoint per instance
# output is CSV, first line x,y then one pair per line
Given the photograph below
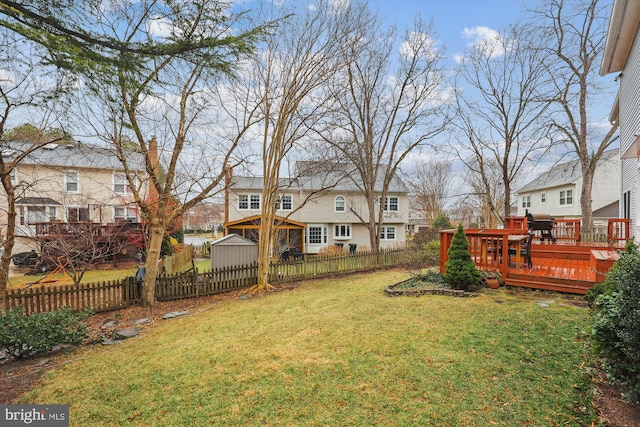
x,y
233,250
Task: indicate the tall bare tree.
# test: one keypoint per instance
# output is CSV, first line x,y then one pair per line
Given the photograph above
x,y
501,115
578,29
283,84
430,183
28,86
387,104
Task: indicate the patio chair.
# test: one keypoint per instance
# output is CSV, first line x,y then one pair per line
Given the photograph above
x,y
525,250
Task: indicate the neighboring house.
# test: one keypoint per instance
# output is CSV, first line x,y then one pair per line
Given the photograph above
x,y
317,209
622,56
68,183
557,191
416,222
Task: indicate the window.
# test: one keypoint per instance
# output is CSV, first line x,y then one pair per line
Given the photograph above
x,y
13,176
249,201
284,202
77,214
340,205
626,204
543,198
526,201
120,184
316,234
388,232
391,204
342,231
53,213
71,181
566,197
125,213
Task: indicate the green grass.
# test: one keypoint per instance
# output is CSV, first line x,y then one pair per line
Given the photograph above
x,y
338,352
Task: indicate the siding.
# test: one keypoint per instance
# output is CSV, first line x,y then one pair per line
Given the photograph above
x,y
630,125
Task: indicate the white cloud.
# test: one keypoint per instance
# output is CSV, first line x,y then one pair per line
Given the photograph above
x,y
419,44
487,39
160,27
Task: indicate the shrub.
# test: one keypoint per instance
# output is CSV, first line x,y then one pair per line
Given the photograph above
x,y
461,271
442,221
35,335
616,322
423,249
609,286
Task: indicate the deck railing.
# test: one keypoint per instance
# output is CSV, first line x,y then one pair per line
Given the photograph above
x,y
618,230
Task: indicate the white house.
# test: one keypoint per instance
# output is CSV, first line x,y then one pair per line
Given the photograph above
x,y
317,209
557,191
622,56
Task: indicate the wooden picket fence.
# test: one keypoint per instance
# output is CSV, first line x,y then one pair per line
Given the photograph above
x,y
114,295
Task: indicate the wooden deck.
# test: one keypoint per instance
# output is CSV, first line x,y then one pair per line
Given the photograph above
x,y
564,266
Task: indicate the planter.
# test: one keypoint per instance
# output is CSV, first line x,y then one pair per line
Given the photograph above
x,y
492,282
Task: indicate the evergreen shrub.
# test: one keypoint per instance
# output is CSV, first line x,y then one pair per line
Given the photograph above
x,y
461,271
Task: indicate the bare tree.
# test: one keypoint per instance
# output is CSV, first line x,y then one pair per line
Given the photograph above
x,y
75,247
385,107
430,184
487,191
501,117
282,86
578,30
27,87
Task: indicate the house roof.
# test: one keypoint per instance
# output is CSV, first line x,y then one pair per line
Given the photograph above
x,y
313,176
623,24
562,174
37,201
73,155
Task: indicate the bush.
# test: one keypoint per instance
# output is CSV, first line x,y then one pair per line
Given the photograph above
x,y
442,222
423,249
461,271
616,322
35,335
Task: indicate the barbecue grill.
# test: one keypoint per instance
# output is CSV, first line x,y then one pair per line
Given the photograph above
x,y
542,223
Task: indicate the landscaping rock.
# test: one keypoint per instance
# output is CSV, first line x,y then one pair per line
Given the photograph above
x,y
110,342
109,324
141,321
175,314
124,334
3,355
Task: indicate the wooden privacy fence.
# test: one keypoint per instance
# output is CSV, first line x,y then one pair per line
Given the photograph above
x,y
115,295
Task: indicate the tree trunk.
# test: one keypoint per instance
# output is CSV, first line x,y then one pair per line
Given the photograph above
x,y
585,201
156,234
264,253
9,242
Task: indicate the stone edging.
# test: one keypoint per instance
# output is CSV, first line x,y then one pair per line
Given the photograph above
x,y
391,292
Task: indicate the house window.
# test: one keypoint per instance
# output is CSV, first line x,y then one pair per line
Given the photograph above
x,y
77,214
526,201
391,204
124,213
340,205
71,181
316,234
388,232
53,213
120,184
626,204
342,231
566,197
249,202
284,202
13,176
543,198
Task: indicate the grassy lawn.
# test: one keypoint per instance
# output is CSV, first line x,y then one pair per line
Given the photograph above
x,y
339,352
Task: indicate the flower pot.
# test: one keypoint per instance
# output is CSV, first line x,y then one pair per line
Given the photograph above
x,y
492,282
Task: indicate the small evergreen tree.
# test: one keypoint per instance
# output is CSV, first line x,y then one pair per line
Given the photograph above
x,y
442,222
461,272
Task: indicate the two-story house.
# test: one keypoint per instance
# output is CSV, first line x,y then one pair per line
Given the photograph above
x,y
622,56
317,209
557,191
68,183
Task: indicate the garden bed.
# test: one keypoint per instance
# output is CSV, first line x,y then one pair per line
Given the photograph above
x,y
430,283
